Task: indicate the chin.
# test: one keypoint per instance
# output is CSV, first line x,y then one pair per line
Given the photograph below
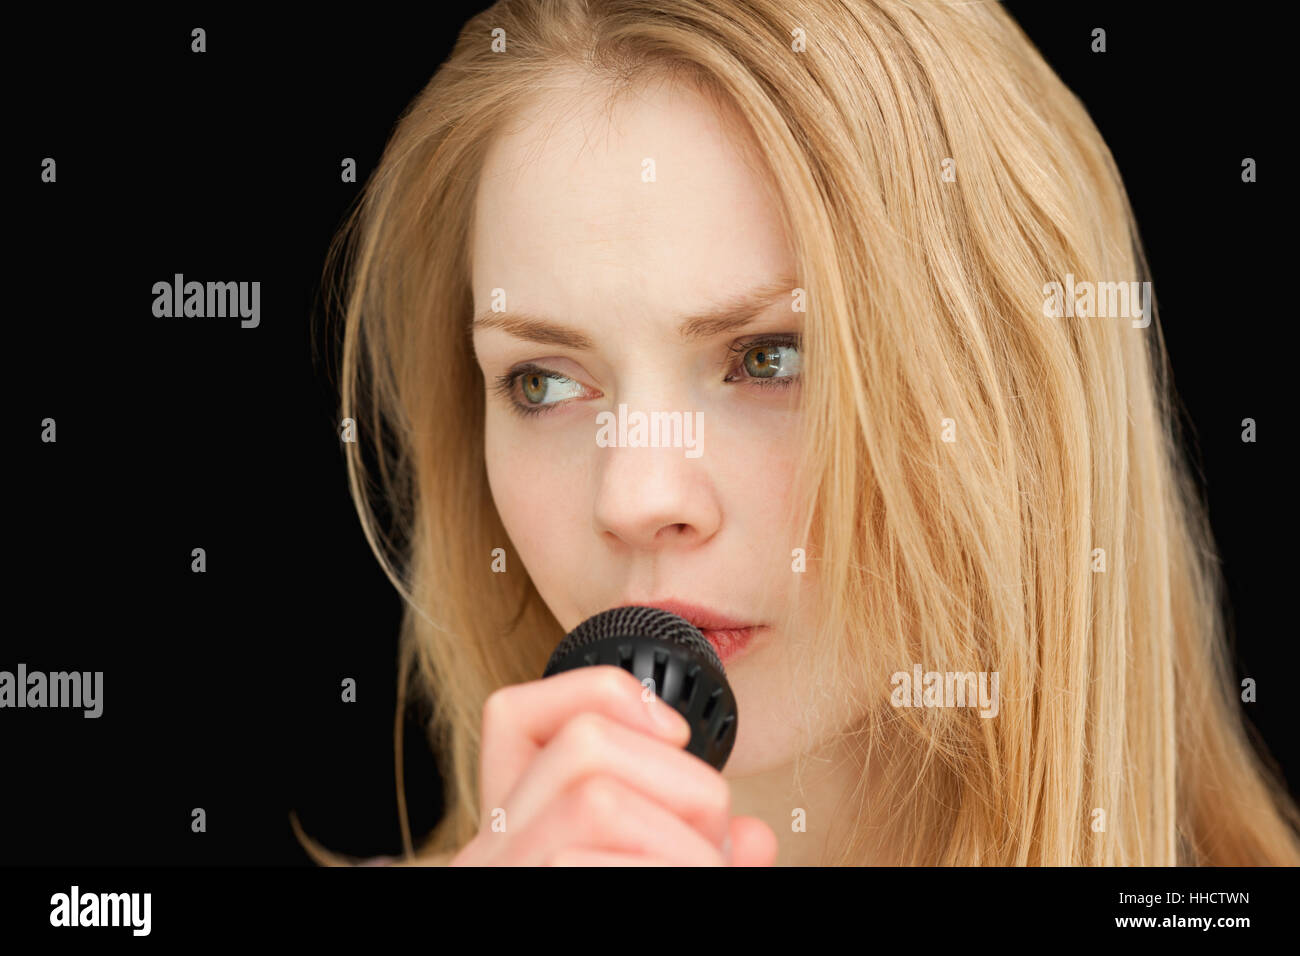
x,y
754,751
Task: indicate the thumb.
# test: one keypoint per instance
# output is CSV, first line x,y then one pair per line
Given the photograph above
x,y
752,842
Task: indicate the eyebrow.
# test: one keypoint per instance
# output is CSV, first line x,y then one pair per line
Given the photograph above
x,y
735,312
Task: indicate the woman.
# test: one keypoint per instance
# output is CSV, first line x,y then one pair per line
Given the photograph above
x,y
834,237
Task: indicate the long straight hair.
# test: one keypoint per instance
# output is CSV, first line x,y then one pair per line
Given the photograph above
x,y
982,487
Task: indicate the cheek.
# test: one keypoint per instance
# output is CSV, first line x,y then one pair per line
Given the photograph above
x,y
536,493
757,458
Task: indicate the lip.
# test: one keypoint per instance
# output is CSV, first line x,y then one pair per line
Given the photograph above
x,y
729,635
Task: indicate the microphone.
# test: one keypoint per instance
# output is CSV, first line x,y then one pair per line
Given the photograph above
x,y
687,675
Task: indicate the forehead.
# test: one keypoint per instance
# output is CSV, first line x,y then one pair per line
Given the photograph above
x,y
655,194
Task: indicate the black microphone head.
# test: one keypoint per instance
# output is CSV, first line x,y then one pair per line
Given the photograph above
x,y
669,651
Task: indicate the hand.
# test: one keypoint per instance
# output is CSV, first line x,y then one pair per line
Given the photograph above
x,y
578,769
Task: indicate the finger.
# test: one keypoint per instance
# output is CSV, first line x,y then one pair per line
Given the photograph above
x,y
601,813
521,719
753,843
592,744
599,858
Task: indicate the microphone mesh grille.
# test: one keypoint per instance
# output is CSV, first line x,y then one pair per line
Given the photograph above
x,y
634,619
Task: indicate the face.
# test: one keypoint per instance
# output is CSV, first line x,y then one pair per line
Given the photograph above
x,y
644,270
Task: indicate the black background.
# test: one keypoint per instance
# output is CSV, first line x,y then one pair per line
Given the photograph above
x,y
222,690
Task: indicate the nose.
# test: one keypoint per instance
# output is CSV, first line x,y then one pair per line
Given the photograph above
x,y
654,498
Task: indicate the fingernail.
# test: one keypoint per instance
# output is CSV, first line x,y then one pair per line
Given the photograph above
x,y
726,849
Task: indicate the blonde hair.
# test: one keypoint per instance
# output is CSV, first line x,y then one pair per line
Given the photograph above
x,y
925,310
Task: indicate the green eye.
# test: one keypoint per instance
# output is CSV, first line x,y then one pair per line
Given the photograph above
x,y
771,360
762,362
542,389
535,385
